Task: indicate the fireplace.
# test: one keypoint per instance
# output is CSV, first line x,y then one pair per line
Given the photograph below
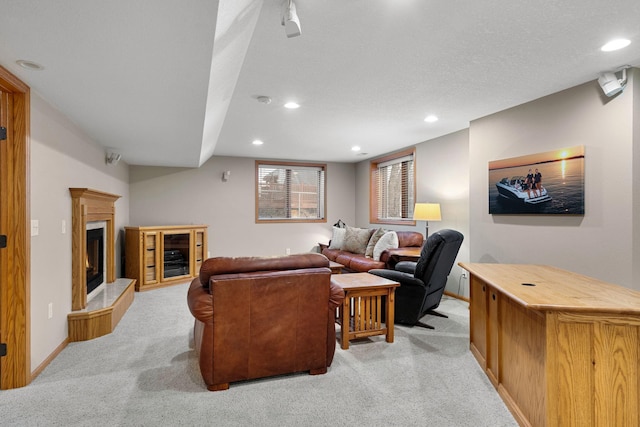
x,y
95,258
90,209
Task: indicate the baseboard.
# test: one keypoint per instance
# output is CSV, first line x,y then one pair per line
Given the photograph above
x,y
49,359
456,296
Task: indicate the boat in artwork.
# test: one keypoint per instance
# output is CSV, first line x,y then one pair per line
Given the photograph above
x,y
515,189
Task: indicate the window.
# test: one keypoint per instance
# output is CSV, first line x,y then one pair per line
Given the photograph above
x,y
290,192
392,195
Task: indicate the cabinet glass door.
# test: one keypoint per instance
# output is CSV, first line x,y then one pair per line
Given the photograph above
x,y
176,254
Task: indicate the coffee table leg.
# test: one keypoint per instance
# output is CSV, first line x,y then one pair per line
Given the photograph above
x,y
344,328
390,313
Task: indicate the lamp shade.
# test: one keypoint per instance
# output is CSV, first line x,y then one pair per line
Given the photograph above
x,y
427,212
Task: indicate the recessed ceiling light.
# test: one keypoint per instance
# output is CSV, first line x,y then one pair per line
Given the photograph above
x,y
615,45
291,105
29,65
355,148
431,118
257,142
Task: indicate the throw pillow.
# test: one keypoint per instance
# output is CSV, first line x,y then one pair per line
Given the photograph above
x,y
356,239
388,241
337,240
372,242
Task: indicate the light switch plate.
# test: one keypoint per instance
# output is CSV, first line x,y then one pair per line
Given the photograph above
x,y
35,227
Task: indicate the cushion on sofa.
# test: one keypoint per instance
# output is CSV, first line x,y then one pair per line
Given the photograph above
x,y
362,264
372,242
388,241
337,239
356,240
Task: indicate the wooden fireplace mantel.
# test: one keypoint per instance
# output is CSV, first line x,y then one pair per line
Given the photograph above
x,y
89,205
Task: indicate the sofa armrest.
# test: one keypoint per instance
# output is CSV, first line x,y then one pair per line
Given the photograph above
x,y
200,302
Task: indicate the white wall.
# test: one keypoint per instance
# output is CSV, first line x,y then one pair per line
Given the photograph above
x,y
442,176
61,157
600,243
173,196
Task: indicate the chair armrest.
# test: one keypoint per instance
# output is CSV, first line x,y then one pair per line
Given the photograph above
x,y
336,296
200,302
405,279
406,267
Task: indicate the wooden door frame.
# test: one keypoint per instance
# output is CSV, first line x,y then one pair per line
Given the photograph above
x,y
15,259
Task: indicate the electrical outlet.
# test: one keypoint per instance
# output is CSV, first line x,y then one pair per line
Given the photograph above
x,y
50,310
288,251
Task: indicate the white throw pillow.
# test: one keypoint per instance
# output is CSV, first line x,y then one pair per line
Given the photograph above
x,y
337,240
388,241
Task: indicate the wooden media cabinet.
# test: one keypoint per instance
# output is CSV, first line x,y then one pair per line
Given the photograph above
x,y
164,255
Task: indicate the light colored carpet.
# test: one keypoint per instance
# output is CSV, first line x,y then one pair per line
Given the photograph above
x,y
146,374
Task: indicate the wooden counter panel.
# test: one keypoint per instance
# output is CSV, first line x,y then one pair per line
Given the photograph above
x,y
478,321
522,355
597,365
616,350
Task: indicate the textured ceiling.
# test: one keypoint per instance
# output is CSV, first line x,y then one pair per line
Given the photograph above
x,y
170,83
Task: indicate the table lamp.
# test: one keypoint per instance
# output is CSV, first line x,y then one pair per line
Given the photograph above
x,y
427,212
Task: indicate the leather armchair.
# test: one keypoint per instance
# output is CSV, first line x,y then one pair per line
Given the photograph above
x,y
422,283
258,317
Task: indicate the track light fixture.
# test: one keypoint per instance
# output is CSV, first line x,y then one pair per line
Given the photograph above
x,y
611,84
290,20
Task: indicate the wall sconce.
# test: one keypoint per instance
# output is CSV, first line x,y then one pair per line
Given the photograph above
x,y
427,212
226,175
113,158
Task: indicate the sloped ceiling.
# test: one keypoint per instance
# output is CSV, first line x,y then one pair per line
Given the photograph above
x,y
170,83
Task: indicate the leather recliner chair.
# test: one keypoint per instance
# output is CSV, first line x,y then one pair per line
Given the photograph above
x,y
259,317
422,283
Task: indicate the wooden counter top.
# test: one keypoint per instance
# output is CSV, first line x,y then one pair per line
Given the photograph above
x,y
556,289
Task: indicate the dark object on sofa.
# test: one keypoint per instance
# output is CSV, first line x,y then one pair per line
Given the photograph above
x,y
258,317
360,263
422,284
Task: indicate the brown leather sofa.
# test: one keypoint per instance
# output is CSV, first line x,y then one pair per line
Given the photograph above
x,y
259,317
359,263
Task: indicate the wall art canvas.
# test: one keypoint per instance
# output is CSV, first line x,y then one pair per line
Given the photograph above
x,y
546,183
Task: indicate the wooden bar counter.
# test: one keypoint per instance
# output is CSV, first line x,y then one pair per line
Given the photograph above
x,y
562,349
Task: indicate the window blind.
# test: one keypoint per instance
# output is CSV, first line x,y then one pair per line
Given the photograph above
x,y
290,192
394,180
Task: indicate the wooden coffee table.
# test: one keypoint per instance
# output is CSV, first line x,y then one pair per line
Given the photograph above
x,y
360,314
